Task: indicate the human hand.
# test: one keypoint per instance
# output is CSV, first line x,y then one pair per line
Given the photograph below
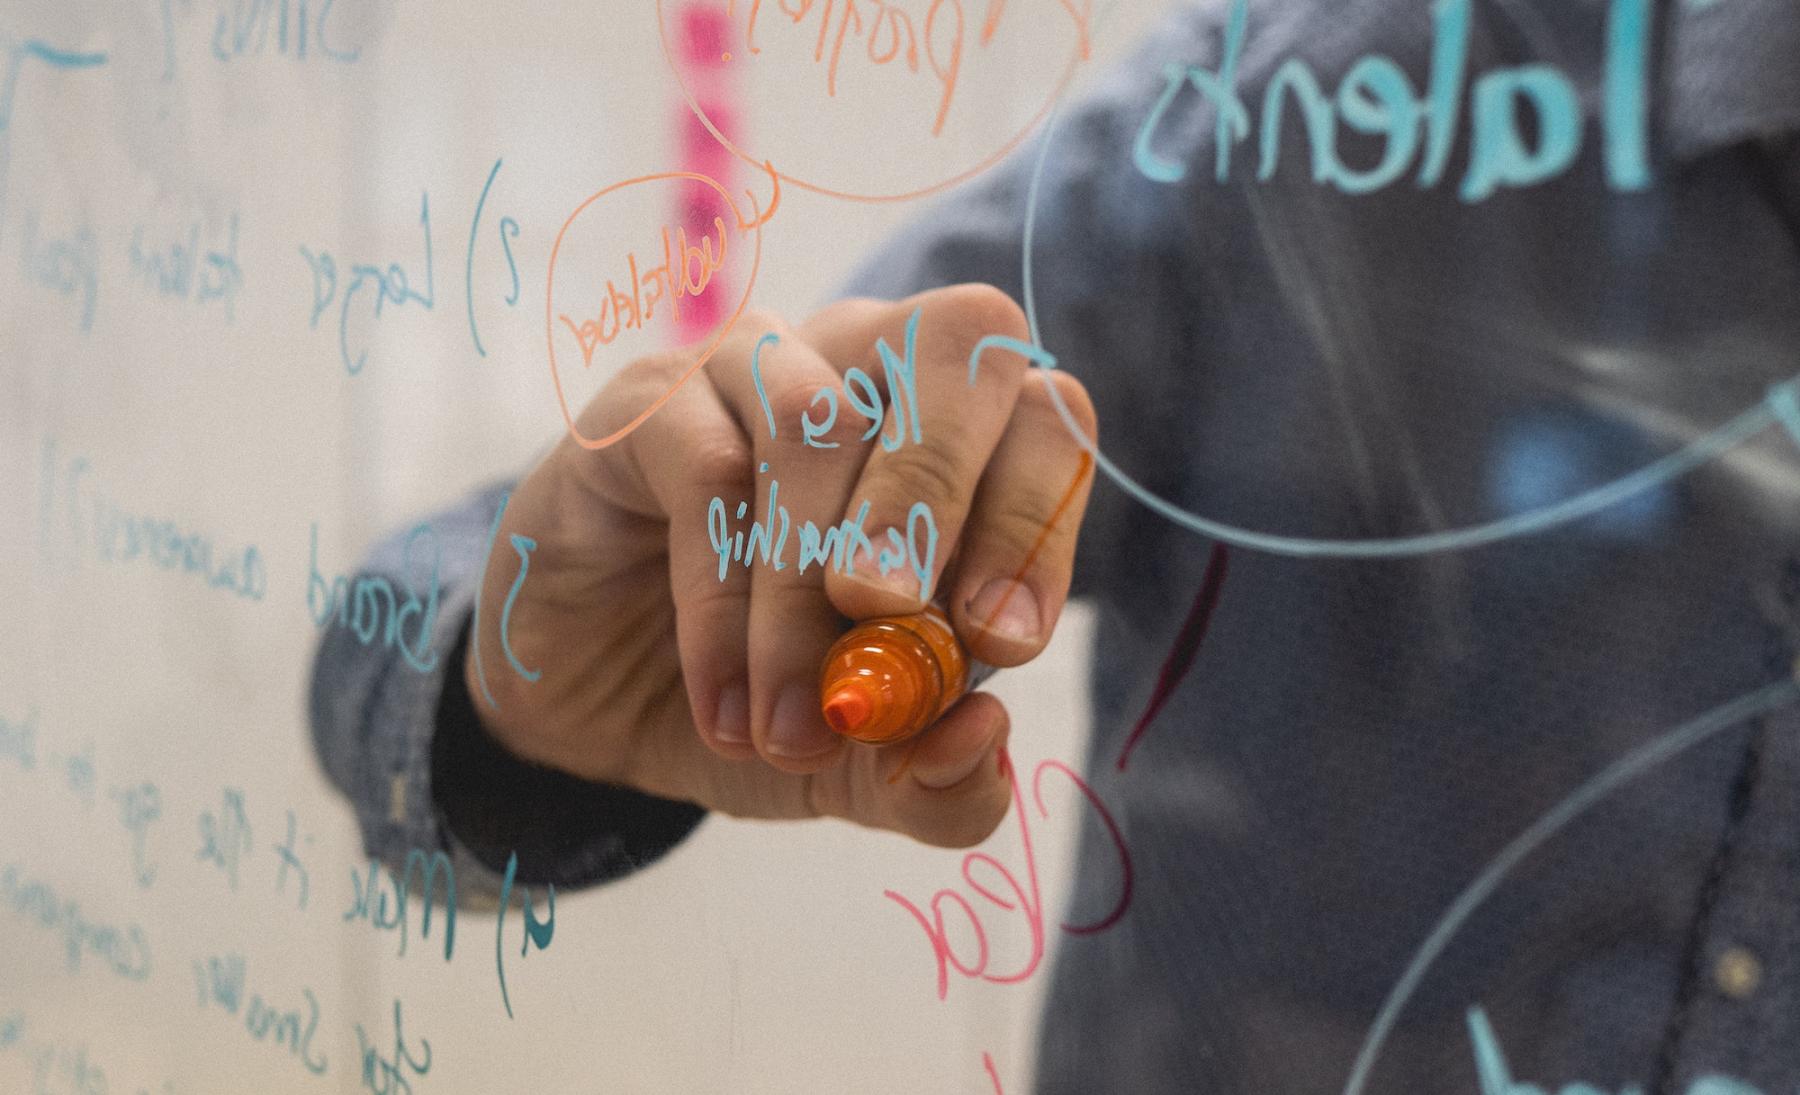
x,y
659,675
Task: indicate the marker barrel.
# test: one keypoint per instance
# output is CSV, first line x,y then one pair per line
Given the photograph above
x,y
889,678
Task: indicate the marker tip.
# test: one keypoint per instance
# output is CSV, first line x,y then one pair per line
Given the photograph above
x,y
848,709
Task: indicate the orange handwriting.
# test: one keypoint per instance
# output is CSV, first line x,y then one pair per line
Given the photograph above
x,y
686,271
891,34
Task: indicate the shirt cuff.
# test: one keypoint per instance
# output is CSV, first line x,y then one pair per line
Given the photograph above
x,y
566,831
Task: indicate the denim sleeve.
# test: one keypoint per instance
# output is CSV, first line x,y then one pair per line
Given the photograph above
x,y
399,736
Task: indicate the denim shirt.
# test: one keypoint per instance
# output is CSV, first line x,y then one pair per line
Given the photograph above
x,y
1437,809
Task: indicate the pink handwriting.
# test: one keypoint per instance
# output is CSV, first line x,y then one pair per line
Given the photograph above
x,y
1031,904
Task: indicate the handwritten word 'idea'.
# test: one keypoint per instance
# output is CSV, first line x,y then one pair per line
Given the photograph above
x,y
843,545
1375,98
686,271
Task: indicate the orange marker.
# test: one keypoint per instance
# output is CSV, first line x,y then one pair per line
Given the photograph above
x,y
889,678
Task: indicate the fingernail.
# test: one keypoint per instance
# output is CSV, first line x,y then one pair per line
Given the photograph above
x,y
943,778
900,583
799,730
1007,608
731,722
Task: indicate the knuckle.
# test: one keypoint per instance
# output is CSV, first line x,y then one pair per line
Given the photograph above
x,y
757,322
979,309
928,472
1015,522
719,463
791,400
854,312
1070,391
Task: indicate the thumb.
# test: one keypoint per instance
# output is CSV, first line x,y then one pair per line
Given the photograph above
x,y
949,786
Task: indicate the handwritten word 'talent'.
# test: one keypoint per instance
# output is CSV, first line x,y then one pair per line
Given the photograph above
x,y
1026,899
686,271
1375,98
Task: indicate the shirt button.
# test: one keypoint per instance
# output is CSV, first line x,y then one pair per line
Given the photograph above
x,y
1737,973
397,799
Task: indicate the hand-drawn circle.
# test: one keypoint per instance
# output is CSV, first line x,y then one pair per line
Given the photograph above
x,y
1780,407
1078,53
1627,768
718,336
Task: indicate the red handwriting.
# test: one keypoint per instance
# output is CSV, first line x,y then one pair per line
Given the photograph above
x,y
686,271
1187,647
1026,899
987,1060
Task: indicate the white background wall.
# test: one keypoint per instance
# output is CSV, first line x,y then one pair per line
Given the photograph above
x,y
758,957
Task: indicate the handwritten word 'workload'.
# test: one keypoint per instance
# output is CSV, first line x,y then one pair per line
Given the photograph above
x,y
686,270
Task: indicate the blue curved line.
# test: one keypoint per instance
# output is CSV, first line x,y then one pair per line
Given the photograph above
x,y
1614,776
1678,463
524,545
62,58
469,265
1781,405
481,584
1037,355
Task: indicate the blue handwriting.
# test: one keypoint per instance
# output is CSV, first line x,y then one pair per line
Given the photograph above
x,y
242,30
225,836
180,270
221,982
507,225
16,54
387,1075
838,546
371,903
391,286
1496,1077
1376,98
67,265
120,537
139,806
359,605
18,740
125,951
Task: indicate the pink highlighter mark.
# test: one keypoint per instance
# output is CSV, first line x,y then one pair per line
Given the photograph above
x,y
1187,647
704,65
